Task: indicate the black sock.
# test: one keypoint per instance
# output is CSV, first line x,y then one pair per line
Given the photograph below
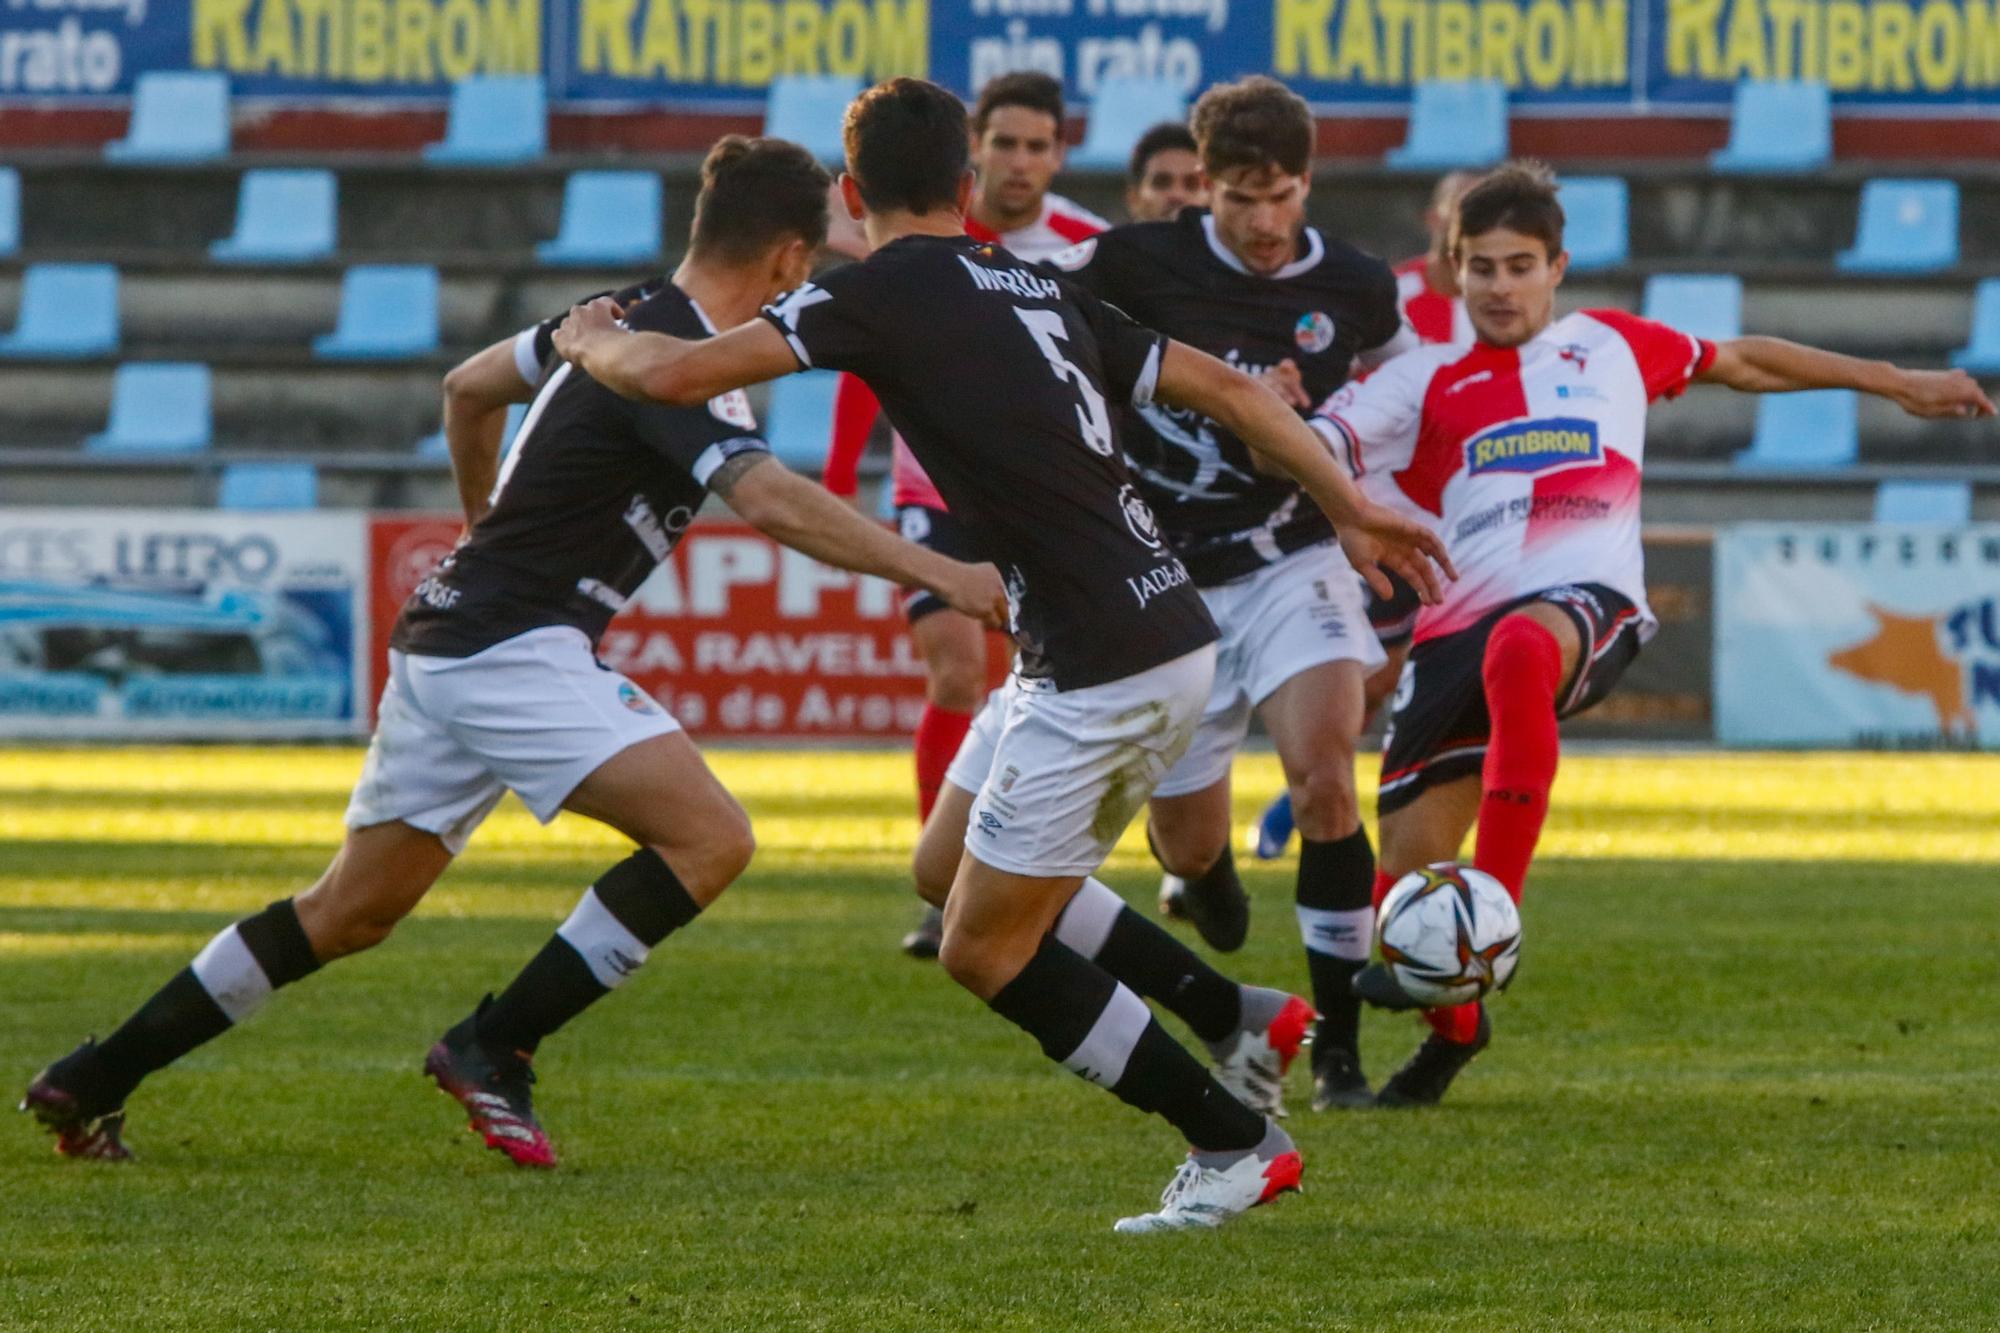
x,y
1102,1031
1337,921
1221,872
1098,925
636,904
224,985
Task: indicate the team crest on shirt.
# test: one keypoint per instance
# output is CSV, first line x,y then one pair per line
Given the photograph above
x,y
1313,332
1576,354
1538,444
1139,517
635,698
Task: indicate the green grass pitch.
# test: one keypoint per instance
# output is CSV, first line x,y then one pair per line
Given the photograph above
x,y
1746,1078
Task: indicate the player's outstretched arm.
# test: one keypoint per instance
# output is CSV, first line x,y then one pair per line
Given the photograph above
x,y
670,370
1773,365
477,393
807,517
1372,536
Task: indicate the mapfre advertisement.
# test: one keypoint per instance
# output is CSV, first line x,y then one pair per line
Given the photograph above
x,y
735,635
134,623
1856,635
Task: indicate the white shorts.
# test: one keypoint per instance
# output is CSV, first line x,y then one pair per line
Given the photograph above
x,y
1301,612
534,713
1060,773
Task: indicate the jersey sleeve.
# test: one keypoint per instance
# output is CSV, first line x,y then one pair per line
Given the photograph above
x,y
1668,359
829,322
1371,425
1129,351
1383,324
699,439
535,348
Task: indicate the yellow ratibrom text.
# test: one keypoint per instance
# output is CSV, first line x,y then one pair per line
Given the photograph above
x,y
747,43
1538,44
1888,46
369,41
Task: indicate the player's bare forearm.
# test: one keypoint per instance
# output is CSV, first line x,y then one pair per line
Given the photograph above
x,y
1775,365
807,517
477,393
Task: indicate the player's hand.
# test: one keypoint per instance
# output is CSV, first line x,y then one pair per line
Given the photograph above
x,y
584,326
1378,539
1942,393
1284,380
977,591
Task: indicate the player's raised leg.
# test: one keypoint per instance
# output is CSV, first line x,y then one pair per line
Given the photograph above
x,y
1528,657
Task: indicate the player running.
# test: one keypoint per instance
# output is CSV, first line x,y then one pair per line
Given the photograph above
x,y
1000,378
1164,176
1528,447
493,685
1248,281
1017,149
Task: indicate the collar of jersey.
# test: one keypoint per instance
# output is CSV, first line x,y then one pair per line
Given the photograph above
x,y
1315,251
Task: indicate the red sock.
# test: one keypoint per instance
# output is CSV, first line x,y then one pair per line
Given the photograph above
x,y
1458,1025
1384,881
939,732
1522,671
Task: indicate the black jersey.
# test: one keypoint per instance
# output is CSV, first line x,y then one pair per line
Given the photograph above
x,y
596,492
1225,518
535,347
1004,382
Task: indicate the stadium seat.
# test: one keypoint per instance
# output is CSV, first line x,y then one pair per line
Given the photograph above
x,y
608,217
386,310
281,216
1708,305
1454,124
66,310
157,407
1124,109
1814,429
809,111
1981,356
434,446
494,118
1905,226
1945,503
1778,127
799,422
177,116
268,486
10,210
1598,226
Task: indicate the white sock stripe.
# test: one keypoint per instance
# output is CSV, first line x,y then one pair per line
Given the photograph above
x,y
1338,934
612,952
1109,1044
1086,923
228,971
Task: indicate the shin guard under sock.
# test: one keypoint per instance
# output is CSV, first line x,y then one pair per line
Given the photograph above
x,y
1100,927
1337,923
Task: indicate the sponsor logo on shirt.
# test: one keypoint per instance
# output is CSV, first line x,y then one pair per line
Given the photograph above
x,y
1139,517
1579,391
1157,580
1314,331
635,698
1576,354
1541,444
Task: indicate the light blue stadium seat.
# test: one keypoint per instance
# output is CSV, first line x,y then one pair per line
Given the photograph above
x,y
10,210
799,424
386,310
1124,109
66,310
434,446
157,407
1597,227
1814,429
177,116
1981,356
494,118
1945,503
1708,305
1454,124
1778,127
809,111
1905,226
268,486
608,217
281,216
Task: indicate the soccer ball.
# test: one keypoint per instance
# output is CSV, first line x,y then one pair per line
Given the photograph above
x,y
1449,934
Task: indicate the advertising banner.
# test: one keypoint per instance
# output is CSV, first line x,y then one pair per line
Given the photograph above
x,y
137,623
735,635
1857,635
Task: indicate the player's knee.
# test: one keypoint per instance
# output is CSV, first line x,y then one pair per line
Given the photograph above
x,y
727,852
981,964
1324,804
1521,648
1185,849
932,869
955,685
352,932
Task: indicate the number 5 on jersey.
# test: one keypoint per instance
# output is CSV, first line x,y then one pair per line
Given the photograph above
x,y
1095,422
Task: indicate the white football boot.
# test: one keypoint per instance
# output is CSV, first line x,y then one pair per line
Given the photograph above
x,y
1251,1062
1211,1188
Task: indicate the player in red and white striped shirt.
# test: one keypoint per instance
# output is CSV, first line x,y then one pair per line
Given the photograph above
x,y
1526,448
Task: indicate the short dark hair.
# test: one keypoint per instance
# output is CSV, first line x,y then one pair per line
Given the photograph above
x,y
754,194
1035,91
907,146
1163,136
1255,122
1521,197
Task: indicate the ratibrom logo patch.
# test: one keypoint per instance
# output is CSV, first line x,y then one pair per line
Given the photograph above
x,y
1541,444
1314,331
1139,517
